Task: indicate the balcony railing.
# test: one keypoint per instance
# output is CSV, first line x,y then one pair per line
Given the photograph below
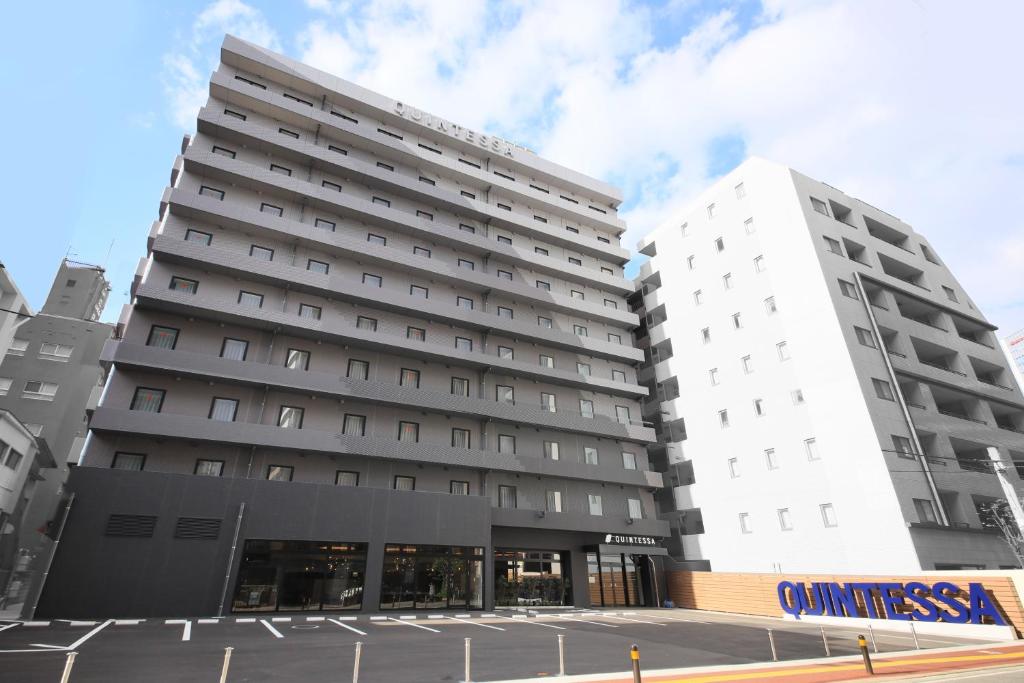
x,y
940,366
962,416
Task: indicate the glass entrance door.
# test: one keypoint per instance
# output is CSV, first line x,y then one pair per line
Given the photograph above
x,y
615,580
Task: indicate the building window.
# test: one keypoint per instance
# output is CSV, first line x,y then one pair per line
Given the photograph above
x,y
358,369
42,391
589,455
418,291
540,250
727,281
705,335
576,294
250,299
504,240
234,349
353,425
745,527
466,263
415,333
811,446
346,478
424,214
364,323
235,114
296,359
376,239
546,286
464,302
372,280
505,207
848,289
594,504
408,432
770,461
586,407
554,501
575,261
271,209
405,483
748,225
343,116
309,311
207,191
607,271
579,330
289,133
460,386
208,468
5,388
734,468
618,376
280,472
634,509
504,275
460,438
783,351
545,322
828,515
769,306
603,240
135,462
198,236
458,488
713,374
315,266
833,246
903,447
759,409
583,369
324,224
785,522
551,450
719,244
865,337
950,294
798,396
463,344
690,262
759,266
711,210
335,148
819,206
925,510
883,389
290,417
628,460
386,167
468,195
409,378
12,460
505,352
622,415
421,251
184,285
277,168
748,365
504,394
540,218
507,444
547,402
162,337
504,312
723,418
224,152
467,228
737,322
506,496
698,297
148,400
741,191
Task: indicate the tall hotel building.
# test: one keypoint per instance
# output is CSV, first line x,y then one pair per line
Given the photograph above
x,y
374,360
829,397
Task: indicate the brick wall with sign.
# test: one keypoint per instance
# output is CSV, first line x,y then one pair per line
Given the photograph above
x,y
757,594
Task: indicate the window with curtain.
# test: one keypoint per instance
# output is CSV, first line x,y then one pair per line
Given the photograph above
x,y
408,432
405,483
636,511
162,337
460,438
309,311
290,417
148,400
234,349
628,460
280,472
209,468
364,323
507,496
126,461
506,444
223,409
460,386
343,478
594,503
296,359
622,414
547,402
586,407
354,425
409,378
459,488
554,501
504,394
358,369
551,450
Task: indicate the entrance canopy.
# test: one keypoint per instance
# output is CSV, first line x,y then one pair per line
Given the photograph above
x,y
606,550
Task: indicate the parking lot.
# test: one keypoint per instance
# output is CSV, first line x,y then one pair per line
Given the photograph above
x,y
407,647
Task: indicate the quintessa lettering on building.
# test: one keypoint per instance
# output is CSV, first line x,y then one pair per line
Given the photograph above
x,y
943,601
490,142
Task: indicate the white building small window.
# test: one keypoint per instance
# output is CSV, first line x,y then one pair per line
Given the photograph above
x,y
783,351
848,289
719,245
883,390
57,352
636,510
705,335
698,297
690,262
819,206
5,385
865,337
723,418
18,347
741,191
589,455
798,396
759,266
769,306
925,510
785,521
748,225
594,503
903,447
759,409
770,459
748,365
628,460
40,391
734,468
711,211
834,246
745,527
737,321
828,515
713,374
727,281
811,446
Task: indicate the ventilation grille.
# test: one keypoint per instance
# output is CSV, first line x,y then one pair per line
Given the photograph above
x,y
199,528
138,526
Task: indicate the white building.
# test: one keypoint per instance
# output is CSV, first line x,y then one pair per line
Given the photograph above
x,y
1014,347
14,311
804,347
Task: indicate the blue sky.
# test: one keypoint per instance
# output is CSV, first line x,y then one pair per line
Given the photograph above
x,y
907,104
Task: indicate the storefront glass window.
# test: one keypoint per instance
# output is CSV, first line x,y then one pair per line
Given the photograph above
x,y
432,577
300,575
531,577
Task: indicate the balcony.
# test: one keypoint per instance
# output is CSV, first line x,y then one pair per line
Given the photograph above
x,y
202,305
902,271
202,430
577,521
886,234
250,373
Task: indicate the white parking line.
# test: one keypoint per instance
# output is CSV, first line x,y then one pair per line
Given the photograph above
x,y
206,621
584,621
467,621
315,618
463,616
408,617
523,620
245,620
277,634
7,626
409,623
638,621
81,623
186,633
128,622
378,618
35,623
685,621
343,625
280,619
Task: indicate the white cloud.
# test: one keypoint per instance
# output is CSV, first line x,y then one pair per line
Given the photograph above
x,y
186,71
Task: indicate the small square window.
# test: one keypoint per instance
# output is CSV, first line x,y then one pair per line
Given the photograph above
x,y
883,390
618,376
575,261
464,302
234,349
506,494
586,408
798,396
719,245
353,425
460,386
424,214
309,311
504,394
828,515
421,251
713,376
162,337
547,402
208,468
504,240
466,263
834,246
376,239
290,417
579,330
576,294
315,266
507,444
372,280
184,285
865,337
460,438
419,292
769,306
504,275
583,368
590,455
261,253
504,312
950,294
250,299
547,361
903,447
358,369
748,365
345,478
505,352
545,322
628,460
381,201
198,236
405,483
819,206
324,224
134,462
463,344
551,450
458,488
271,209
546,286
364,323
727,281
848,289
223,409
409,378
408,432
207,191
416,333
297,359
327,184
540,250
277,168
594,504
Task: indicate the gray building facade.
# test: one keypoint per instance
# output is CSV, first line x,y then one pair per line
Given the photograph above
x,y
374,360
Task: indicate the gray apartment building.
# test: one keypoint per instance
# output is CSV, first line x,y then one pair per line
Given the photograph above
x,y
374,360
50,377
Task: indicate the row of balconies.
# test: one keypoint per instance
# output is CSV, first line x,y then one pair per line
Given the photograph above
x,y
251,373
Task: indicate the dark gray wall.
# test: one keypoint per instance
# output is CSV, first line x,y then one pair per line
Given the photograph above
x,y
97,576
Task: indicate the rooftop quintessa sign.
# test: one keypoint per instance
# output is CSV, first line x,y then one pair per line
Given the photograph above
x,y
490,142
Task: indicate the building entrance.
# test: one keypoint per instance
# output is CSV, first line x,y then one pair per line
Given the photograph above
x,y
620,579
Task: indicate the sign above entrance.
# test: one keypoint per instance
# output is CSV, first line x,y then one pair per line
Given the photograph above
x,y
623,539
913,601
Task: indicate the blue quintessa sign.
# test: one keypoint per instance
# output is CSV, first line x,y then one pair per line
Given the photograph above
x,y
942,601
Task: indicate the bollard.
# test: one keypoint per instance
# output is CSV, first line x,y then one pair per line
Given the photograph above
x,y
634,657
824,639
771,641
355,666
227,662
468,679
67,667
863,645
913,632
561,654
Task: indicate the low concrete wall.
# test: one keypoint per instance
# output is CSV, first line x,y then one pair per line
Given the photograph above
x,y
757,594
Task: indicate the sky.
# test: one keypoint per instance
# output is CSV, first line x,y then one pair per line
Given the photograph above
x,y
912,105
